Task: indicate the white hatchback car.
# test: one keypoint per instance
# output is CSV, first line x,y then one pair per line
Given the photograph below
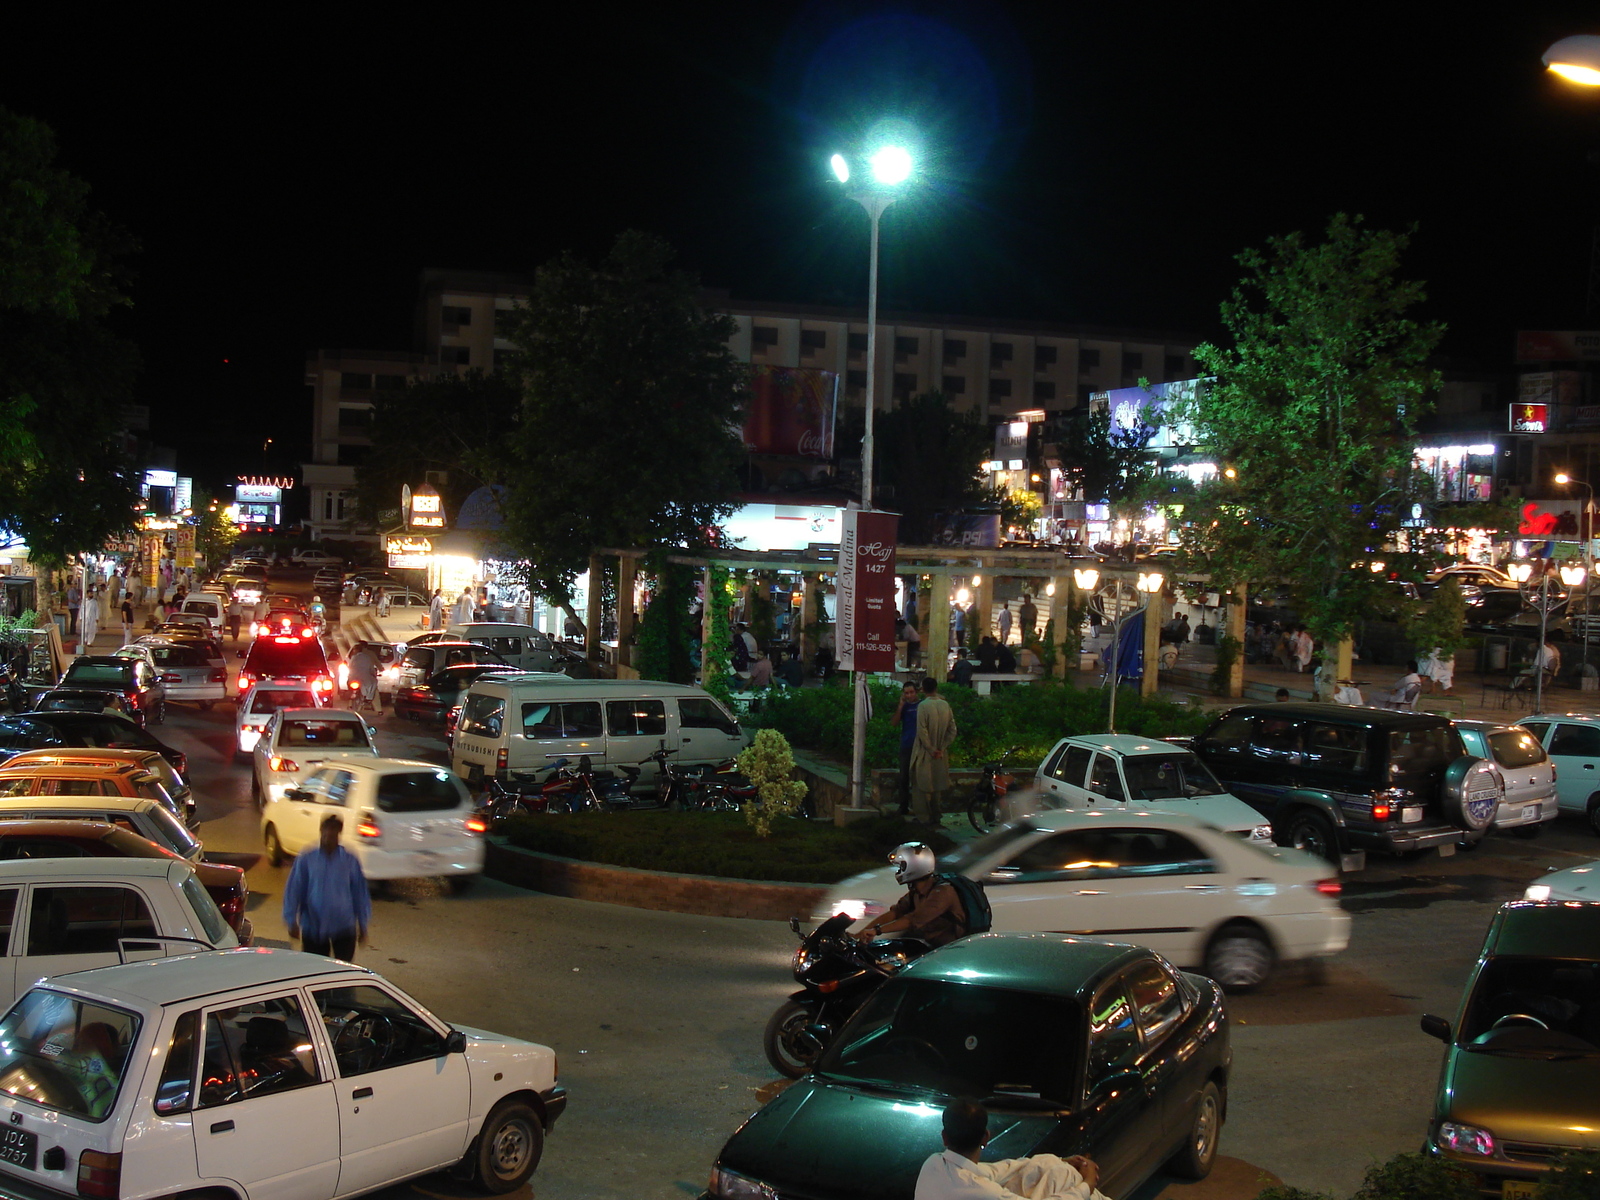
x,y
296,741
1572,740
258,1074
264,698
403,819
1112,771
1207,899
1527,776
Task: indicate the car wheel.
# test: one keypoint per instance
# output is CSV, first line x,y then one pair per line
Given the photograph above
x,y
788,1049
275,854
205,706
1239,958
462,884
1314,833
1594,813
1199,1150
508,1149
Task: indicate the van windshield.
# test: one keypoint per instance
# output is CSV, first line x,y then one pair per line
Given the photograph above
x,y
66,1054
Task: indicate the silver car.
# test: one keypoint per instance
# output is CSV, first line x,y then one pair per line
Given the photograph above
x,y
1525,771
188,672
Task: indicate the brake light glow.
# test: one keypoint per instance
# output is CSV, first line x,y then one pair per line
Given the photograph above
x,y
308,632
1380,812
99,1174
1328,887
322,684
246,678
282,764
219,676
368,827
281,640
171,678
477,825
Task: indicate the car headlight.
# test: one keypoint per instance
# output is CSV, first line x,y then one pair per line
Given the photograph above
x,y
1466,1139
730,1185
856,910
1537,891
1261,833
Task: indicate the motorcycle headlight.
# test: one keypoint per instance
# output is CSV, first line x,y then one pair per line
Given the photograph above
x,y
856,910
730,1185
802,961
1466,1139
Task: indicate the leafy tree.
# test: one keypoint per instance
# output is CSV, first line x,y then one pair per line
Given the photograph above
x,y
1312,411
630,413
1442,623
769,765
457,424
664,627
1106,462
214,534
929,460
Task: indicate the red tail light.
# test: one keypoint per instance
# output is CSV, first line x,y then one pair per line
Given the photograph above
x,y
500,759
368,827
282,764
322,684
219,676
232,908
477,825
1328,887
1380,812
99,1174
290,640
245,680
308,633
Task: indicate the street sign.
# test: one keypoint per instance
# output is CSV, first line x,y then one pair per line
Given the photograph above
x,y
866,590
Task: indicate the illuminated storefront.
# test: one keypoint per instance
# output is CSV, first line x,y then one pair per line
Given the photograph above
x,y
1460,472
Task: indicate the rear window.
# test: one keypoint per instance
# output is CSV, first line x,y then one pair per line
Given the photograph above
x,y
1514,748
482,715
577,719
171,833
1418,756
114,674
207,607
213,926
343,735
269,702
65,1054
179,656
268,656
420,791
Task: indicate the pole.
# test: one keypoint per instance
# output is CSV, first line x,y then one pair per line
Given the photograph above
x,y
1538,655
1116,645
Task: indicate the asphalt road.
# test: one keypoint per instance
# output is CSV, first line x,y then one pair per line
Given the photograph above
x,y
657,1017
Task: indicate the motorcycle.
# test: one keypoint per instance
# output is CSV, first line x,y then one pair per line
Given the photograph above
x,y
676,786
983,808
837,974
566,789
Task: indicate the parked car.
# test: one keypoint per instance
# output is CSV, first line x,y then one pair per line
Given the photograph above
x,y
1517,1087
93,700
24,839
136,650
259,1073
1119,771
1078,1047
1338,781
57,730
142,688
212,607
265,697
1572,740
431,699
189,672
1572,883
402,819
69,914
521,645
188,635
387,598
315,558
175,786
1527,776
1475,575
47,792
328,577
295,741
1167,880
281,656
423,662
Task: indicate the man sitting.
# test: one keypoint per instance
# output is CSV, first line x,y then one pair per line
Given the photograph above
x,y
956,1174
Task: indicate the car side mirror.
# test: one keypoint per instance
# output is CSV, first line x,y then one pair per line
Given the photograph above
x,y
455,1042
175,1102
1436,1027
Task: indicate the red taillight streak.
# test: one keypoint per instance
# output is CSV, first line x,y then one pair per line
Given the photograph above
x,y
1328,887
368,828
500,759
477,825
1380,812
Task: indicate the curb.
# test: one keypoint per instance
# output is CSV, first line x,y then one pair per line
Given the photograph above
x,y
660,891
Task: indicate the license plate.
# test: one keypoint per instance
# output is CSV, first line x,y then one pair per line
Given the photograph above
x,y
1516,1189
1410,816
19,1147
1530,813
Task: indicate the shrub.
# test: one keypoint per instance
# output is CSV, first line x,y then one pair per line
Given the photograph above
x,y
1576,1176
1416,1177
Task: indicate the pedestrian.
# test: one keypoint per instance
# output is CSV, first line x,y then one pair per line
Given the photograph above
x,y
127,620
905,717
961,671
957,1174
1302,650
1005,662
436,610
325,903
958,624
462,613
760,673
1027,618
790,670
911,606
988,655
1005,623
930,766
975,627
913,641
235,617
364,668
89,621
74,603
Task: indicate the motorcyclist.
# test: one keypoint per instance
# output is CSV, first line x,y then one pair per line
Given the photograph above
x,y
318,609
930,911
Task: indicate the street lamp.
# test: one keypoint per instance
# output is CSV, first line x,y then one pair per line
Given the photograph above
x,y
1576,59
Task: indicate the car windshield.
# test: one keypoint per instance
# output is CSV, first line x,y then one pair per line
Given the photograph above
x,y
285,655
267,702
1168,777
420,791
1535,1007
991,843
66,1054
960,1039
329,735
93,672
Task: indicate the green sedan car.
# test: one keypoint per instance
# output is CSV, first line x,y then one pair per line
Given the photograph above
x,y
1074,1047
1521,1078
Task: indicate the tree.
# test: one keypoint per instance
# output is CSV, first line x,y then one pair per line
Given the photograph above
x,y
214,533
1104,461
929,460
1311,411
630,413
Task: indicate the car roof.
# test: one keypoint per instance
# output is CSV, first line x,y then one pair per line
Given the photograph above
x,y
319,714
1556,716
1340,714
1122,743
123,804
1545,929
187,977
21,870
7,771
1487,726
631,687
384,766
68,716
1051,963
1059,820
100,659
66,827
77,754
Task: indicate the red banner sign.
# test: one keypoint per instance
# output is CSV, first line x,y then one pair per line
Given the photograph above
x,y
790,411
866,590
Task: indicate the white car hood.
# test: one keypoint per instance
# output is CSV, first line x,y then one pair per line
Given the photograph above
x,y
1575,883
490,1054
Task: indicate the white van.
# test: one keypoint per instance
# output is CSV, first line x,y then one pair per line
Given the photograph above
x,y
520,645
209,605
519,723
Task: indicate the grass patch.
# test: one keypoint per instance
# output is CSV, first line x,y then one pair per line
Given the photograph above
x,y
721,844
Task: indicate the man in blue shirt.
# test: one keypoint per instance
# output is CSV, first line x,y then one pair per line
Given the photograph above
x,y
905,715
326,904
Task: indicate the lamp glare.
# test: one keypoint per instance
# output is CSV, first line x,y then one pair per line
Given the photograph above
x,y
841,169
1576,73
890,165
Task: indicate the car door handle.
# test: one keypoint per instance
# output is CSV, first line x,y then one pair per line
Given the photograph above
x,y
1201,887
360,1093
222,1127
1588,766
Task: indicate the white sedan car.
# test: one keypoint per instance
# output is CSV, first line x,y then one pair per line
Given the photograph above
x,y
1207,899
265,697
258,1073
1575,883
296,741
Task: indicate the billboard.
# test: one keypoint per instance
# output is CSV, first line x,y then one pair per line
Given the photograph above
x,y
1558,345
791,411
183,547
257,493
866,590
965,529
1135,406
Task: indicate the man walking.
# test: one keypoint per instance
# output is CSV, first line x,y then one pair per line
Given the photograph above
x,y
436,610
235,617
1027,618
326,904
1005,623
88,621
930,768
74,602
905,719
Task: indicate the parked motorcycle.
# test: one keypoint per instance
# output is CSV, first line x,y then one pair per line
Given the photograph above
x,y
837,974
983,807
566,789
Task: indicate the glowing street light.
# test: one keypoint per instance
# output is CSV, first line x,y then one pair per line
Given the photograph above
x,y
1576,59
1086,578
1573,574
1520,571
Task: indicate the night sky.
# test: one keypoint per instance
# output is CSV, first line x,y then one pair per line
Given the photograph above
x,y
288,172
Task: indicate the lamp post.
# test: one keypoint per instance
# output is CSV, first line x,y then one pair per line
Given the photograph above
x,y
1586,533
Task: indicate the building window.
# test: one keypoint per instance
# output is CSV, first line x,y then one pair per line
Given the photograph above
x,y
1132,360
1044,390
954,385
763,335
855,380
999,355
353,454
355,420
389,383
355,381
505,320
452,315
955,349
1044,357
1174,366
1088,359
904,386
455,355
812,340
904,347
1000,389
858,344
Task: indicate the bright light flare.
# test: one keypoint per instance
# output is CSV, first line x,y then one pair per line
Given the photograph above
x,y
841,168
1576,59
890,165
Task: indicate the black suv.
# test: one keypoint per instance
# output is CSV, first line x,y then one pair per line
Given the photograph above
x,y
1335,780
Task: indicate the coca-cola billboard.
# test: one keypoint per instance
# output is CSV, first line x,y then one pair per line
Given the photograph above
x,y
866,590
791,411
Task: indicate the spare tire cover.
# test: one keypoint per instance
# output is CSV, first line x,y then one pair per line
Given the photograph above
x,y
1471,793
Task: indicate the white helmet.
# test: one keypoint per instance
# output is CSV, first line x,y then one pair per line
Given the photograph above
x,y
911,861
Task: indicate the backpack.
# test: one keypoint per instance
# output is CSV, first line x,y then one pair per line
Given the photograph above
x,y
974,901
